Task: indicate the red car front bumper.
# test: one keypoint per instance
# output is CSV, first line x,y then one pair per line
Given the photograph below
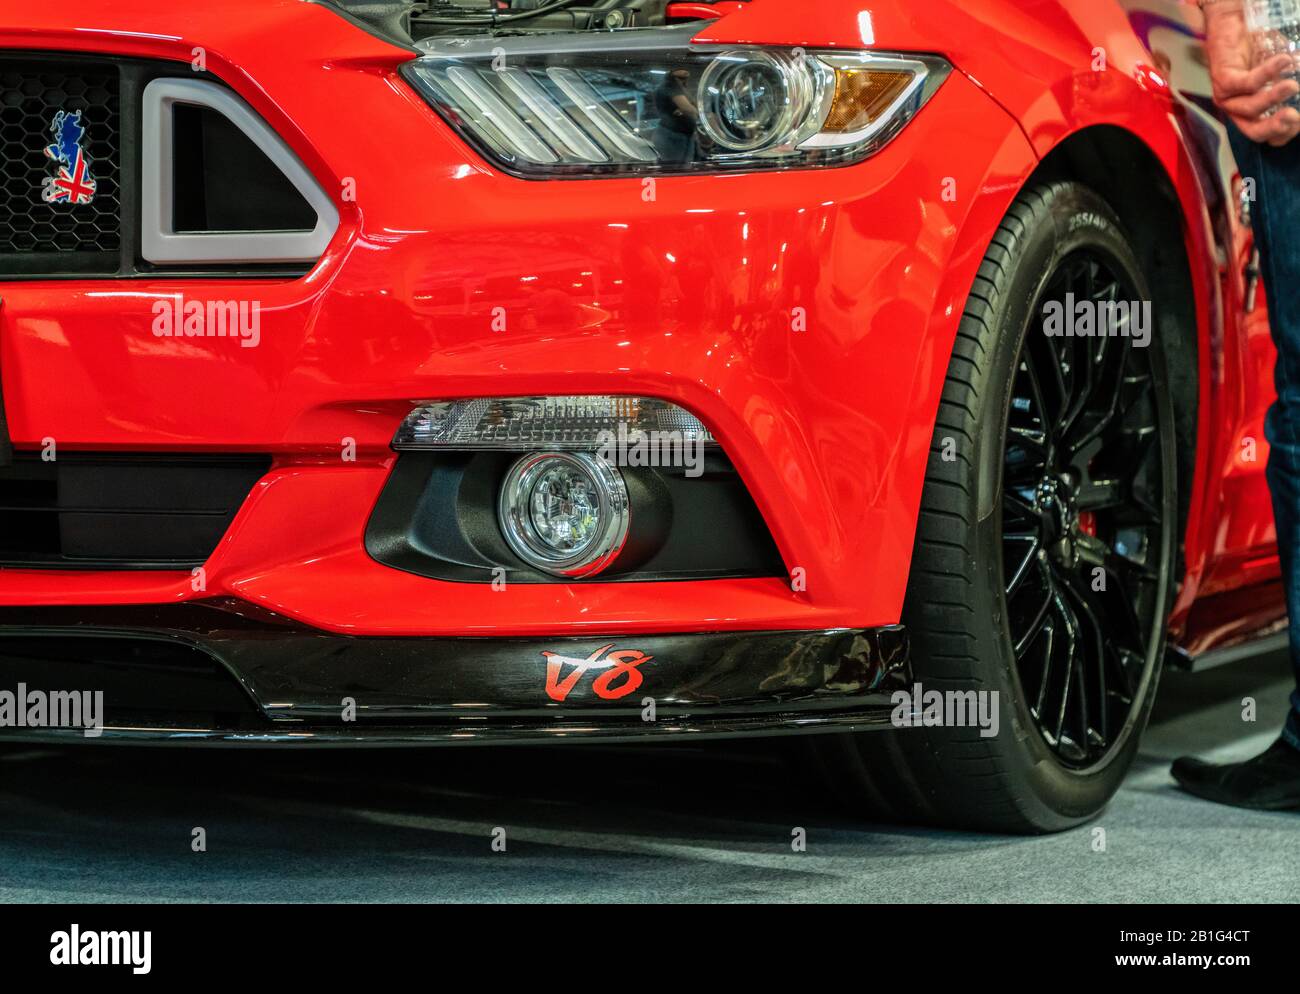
x,y
806,317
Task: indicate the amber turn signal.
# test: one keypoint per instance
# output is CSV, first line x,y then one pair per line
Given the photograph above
x,y
862,96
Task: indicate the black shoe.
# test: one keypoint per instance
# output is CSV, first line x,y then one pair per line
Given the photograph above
x,y
1269,782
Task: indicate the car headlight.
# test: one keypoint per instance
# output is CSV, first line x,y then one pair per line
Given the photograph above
x,y
646,100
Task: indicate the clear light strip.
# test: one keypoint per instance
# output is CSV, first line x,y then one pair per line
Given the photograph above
x,y
499,113
566,423
610,124
549,117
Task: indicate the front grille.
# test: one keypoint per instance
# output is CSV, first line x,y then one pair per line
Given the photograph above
x,y
44,236
112,511
39,240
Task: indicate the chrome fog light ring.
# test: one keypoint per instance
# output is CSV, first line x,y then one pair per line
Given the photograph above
x,y
564,513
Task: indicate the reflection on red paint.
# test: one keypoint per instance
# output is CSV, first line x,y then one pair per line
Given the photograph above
x,y
622,674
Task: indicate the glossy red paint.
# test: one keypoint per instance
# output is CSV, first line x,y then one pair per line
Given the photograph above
x,y
686,296
695,11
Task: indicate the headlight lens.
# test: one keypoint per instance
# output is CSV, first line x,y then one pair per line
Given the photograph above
x,y
755,100
647,101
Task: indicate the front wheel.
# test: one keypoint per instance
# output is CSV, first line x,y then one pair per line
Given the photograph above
x,y
1042,572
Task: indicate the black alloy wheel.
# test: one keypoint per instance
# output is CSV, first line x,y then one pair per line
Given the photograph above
x,y
1082,533
1043,569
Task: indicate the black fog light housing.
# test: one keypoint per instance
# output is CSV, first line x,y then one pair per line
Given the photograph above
x,y
564,513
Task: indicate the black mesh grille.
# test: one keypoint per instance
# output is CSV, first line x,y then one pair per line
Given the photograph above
x,y
118,511
32,90
39,240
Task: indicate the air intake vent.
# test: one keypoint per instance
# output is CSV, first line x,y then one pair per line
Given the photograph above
x,y
224,182
145,682
111,511
219,186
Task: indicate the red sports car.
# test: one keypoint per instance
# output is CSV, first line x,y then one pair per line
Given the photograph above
x,y
494,371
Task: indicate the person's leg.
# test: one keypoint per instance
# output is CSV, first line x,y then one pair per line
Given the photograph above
x,y
1276,223
1272,780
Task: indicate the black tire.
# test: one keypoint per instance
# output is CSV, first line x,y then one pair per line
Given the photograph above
x,y
1034,776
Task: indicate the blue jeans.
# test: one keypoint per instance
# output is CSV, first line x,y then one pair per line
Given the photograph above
x,y
1276,214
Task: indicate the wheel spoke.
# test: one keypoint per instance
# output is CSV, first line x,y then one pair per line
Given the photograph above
x,y
1086,377
1026,564
1122,597
1110,401
1095,633
1047,368
1049,639
1021,506
1038,405
1093,550
1071,626
1084,551
1035,626
1124,661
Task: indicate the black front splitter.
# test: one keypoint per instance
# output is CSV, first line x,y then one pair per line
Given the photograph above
x,y
222,671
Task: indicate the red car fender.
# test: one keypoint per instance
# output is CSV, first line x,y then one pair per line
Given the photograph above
x,y
1059,69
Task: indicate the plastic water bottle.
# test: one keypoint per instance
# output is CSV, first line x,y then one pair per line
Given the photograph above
x,y
1274,27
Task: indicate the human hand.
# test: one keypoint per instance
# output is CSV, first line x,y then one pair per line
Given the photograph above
x,y
1251,97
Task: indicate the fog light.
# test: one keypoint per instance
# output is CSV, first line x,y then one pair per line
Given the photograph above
x,y
565,513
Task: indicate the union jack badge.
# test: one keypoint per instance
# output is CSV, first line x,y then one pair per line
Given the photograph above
x,y
71,182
